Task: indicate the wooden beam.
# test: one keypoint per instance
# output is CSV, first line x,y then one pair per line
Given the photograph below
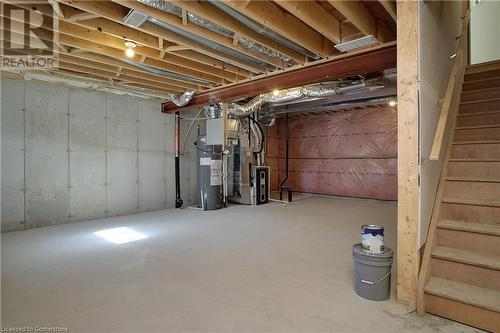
x,y
236,38
127,33
81,57
119,54
113,13
175,48
269,15
213,14
184,17
245,3
389,7
374,59
315,16
57,9
408,254
361,18
97,61
81,17
113,75
110,46
104,39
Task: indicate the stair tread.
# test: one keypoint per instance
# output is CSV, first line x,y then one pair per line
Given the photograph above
x,y
480,228
476,142
481,100
469,114
482,80
474,160
474,179
489,203
464,293
477,127
467,257
480,89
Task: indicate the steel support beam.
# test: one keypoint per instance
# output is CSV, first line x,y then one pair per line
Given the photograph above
x,y
378,59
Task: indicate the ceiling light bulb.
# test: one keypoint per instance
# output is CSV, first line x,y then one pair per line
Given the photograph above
x,y
392,103
276,92
130,53
130,49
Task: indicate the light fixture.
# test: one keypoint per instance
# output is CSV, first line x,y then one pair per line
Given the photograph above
x,y
120,235
392,103
129,52
276,92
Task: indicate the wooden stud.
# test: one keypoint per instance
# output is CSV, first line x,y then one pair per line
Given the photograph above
x,y
236,38
184,17
408,161
57,9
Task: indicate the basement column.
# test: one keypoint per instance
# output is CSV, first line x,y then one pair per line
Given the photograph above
x,y
408,187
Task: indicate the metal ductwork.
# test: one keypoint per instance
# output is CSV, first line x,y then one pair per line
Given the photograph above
x,y
165,73
209,44
78,81
257,27
201,21
288,95
183,99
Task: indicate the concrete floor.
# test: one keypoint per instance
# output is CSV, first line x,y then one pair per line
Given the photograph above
x,y
241,269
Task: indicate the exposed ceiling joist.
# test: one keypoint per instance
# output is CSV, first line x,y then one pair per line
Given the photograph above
x,y
106,72
118,43
114,12
102,61
269,15
211,13
362,19
315,16
127,33
390,7
81,17
199,31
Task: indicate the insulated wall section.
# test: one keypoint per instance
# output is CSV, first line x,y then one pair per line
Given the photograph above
x,y
351,153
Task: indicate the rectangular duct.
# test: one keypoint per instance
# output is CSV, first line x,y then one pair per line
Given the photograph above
x,y
135,18
356,43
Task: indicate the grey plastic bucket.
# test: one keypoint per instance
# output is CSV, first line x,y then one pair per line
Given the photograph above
x,y
372,273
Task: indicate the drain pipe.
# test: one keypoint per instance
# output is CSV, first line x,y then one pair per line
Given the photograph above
x,y
286,163
178,200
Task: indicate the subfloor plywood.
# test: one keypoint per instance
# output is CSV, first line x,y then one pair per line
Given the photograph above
x,y
269,268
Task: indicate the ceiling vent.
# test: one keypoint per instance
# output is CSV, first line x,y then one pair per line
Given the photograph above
x,y
356,43
135,18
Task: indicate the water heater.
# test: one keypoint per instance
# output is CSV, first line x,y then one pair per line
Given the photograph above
x,y
209,174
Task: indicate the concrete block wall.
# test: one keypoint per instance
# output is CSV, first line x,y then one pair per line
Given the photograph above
x,y
71,155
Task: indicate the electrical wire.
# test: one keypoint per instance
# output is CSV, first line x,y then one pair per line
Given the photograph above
x,y
189,130
261,133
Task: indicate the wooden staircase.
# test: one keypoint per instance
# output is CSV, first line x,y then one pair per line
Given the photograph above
x,y
460,273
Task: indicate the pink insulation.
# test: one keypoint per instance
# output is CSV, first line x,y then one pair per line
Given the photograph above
x,y
352,153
